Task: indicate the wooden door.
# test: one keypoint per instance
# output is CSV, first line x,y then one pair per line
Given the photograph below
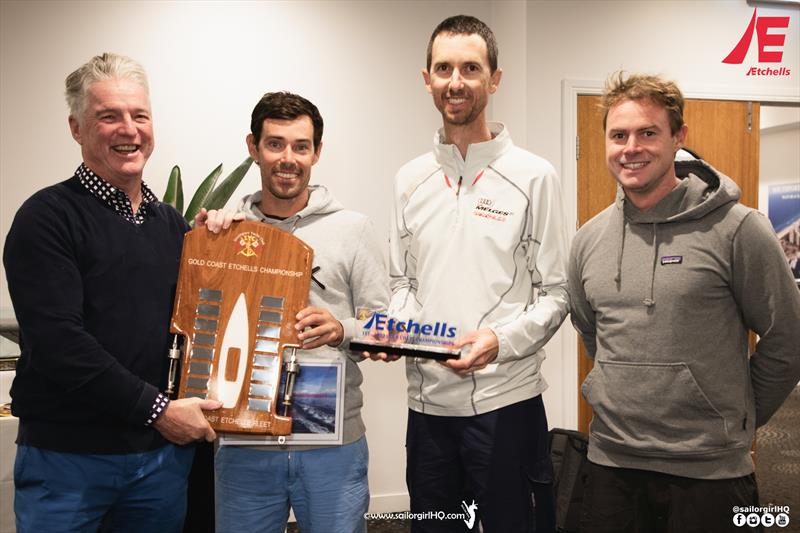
x,y
723,132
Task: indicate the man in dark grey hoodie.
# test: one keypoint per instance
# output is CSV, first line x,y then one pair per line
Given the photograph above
x,y
665,284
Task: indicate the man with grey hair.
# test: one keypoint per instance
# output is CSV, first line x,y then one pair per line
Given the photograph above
x,y
92,264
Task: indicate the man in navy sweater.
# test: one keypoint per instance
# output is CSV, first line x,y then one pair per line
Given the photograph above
x,y
92,264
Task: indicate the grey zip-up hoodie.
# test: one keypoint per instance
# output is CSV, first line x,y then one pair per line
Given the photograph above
x,y
663,300
353,270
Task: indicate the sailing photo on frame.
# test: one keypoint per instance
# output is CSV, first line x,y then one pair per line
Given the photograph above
x,y
317,409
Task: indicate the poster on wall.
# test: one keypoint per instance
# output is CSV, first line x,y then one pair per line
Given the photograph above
x,y
784,213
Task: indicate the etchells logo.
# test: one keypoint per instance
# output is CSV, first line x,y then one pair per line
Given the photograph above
x,y
382,326
248,243
762,27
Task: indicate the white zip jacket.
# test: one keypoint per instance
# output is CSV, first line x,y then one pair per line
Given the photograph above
x,y
475,244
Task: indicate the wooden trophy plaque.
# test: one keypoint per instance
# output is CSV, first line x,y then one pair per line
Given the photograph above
x,y
237,297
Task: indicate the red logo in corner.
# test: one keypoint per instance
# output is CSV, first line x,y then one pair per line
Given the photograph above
x,y
761,26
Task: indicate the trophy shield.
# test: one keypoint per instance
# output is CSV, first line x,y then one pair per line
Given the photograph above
x,y
237,297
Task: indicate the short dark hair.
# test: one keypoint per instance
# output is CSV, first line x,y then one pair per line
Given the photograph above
x,y
466,25
285,106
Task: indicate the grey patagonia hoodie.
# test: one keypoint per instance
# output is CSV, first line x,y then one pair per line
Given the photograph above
x,y
663,300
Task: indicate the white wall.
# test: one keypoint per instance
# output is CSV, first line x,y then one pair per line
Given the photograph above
x,y
359,62
779,116
780,150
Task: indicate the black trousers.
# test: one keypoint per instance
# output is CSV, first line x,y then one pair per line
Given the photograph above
x,y
624,500
500,460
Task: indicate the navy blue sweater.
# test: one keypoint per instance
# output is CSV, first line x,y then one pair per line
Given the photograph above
x,y
93,295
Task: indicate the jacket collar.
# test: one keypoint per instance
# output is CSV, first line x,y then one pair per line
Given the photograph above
x,y
479,155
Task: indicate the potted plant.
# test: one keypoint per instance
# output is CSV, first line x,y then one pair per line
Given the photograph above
x,y
209,194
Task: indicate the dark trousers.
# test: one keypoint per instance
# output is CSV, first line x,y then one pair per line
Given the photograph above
x,y
624,500
500,460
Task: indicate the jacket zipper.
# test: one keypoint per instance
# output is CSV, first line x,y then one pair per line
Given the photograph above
x,y
458,198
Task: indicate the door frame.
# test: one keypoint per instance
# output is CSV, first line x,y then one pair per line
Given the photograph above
x,y
570,90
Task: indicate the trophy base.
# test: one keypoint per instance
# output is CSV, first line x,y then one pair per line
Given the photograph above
x,y
405,350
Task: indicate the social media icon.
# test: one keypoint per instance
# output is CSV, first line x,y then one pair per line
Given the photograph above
x,y
782,520
753,519
767,520
739,519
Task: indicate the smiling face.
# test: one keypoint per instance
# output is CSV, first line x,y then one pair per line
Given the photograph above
x,y
640,150
460,79
115,131
285,154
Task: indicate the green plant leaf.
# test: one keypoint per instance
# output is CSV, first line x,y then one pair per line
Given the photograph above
x,y
200,198
174,193
220,195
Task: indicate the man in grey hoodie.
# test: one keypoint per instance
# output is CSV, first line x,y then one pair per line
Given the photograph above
x,y
326,486
665,285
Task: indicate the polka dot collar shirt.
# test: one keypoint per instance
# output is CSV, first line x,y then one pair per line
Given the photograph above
x,y
114,197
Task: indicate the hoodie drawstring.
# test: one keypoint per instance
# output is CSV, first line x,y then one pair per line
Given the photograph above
x,y
618,276
650,302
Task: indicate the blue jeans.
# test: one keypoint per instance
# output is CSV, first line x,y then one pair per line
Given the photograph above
x,y
326,487
74,492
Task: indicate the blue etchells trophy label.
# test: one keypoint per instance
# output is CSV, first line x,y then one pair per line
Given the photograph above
x,y
409,337
384,327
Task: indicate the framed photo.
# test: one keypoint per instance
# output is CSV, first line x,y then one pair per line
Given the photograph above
x,y
317,409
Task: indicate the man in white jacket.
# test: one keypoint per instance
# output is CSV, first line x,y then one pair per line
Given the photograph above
x,y
478,244
326,486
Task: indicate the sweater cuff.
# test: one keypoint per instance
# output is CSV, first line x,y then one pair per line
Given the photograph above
x,y
144,405
503,348
158,409
348,331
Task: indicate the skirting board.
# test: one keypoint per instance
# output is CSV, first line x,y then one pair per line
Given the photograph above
x,y
389,503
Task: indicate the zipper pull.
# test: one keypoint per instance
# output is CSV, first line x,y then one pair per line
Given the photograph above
x,y
458,189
